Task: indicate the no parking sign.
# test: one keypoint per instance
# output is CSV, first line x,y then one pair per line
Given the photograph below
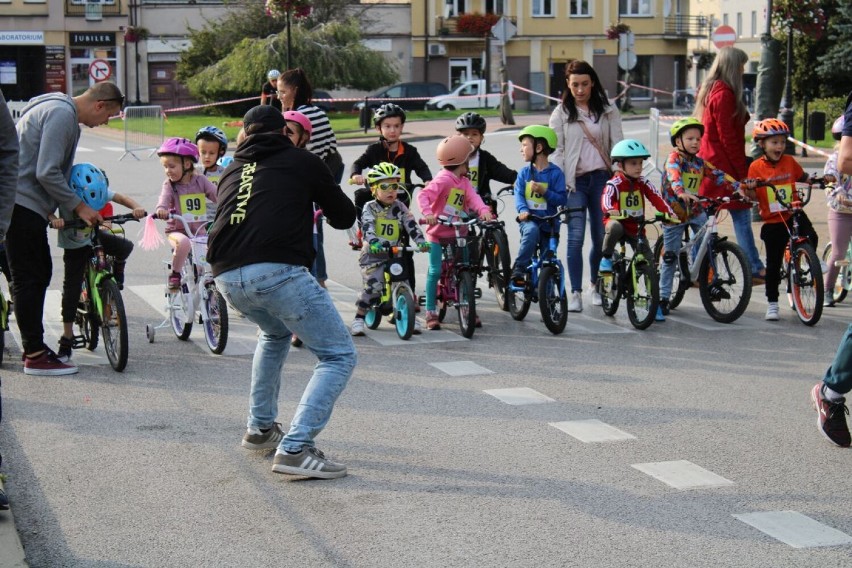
x,y
99,70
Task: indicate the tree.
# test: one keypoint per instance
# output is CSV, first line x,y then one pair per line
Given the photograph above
x,y
229,58
835,67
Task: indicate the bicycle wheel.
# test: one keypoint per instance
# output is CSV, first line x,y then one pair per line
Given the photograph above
x,y
404,316
499,266
519,301
85,319
642,301
466,305
724,282
4,324
114,326
552,302
679,286
806,285
216,326
844,277
373,317
179,302
610,291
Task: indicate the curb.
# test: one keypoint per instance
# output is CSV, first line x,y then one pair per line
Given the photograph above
x,y
11,551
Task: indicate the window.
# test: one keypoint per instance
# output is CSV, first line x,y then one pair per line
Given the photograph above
x,y
495,6
641,75
739,24
542,8
581,7
754,24
725,19
456,7
634,7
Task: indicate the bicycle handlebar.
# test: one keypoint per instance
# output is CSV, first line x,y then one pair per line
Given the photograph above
x,y
446,221
117,219
559,212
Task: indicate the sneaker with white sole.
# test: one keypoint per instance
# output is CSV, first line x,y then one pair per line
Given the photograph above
x,y
596,298
357,327
257,439
772,312
575,302
831,417
418,328
310,462
47,364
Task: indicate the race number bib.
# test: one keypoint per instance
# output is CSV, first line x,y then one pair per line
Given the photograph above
x,y
631,204
193,206
473,175
387,230
534,201
455,202
785,191
691,182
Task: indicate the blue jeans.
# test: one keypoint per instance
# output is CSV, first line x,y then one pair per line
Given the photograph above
x,y
741,218
672,241
587,194
531,237
283,299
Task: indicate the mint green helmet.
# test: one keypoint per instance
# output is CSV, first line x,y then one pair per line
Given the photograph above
x,y
629,148
540,132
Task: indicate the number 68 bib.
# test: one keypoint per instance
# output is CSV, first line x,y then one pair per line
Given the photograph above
x,y
630,203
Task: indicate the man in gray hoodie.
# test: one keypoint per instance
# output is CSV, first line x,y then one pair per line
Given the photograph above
x,y
48,132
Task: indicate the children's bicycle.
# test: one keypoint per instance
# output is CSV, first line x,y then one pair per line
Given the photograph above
x,y
457,283
719,266
397,298
101,306
801,266
844,279
495,261
633,278
544,280
196,299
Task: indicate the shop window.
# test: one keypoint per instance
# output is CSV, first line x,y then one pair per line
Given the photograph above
x,y
641,75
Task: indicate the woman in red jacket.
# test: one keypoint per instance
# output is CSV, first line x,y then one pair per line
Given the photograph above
x,y
720,107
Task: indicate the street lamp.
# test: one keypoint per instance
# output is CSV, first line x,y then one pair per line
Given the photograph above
x,y
787,114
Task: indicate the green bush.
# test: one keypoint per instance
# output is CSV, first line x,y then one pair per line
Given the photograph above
x,y
832,107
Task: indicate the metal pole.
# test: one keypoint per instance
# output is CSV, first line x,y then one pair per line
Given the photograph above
x,y
787,114
426,42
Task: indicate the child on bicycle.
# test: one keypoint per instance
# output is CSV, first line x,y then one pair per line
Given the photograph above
x,y
483,165
186,192
450,194
383,220
212,145
92,186
782,171
623,201
839,199
681,182
539,189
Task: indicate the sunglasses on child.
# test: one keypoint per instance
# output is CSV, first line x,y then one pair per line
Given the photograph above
x,y
388,186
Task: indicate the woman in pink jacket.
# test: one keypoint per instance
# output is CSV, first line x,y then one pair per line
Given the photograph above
x,y
721,109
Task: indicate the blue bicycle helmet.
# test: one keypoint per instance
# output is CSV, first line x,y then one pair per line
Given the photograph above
x,y
629,148
214,135
225,161
90,184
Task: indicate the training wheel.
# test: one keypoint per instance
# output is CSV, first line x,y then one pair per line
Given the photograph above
x,y
149,333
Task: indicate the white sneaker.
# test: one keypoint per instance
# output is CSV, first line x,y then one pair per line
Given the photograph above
x,y
357,327
772,312
575,302
418,329
596,298
824,266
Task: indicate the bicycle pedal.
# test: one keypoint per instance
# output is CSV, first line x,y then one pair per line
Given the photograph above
x,y
78,342
841,263
477,293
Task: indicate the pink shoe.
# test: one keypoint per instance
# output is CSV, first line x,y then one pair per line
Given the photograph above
x,y
174,281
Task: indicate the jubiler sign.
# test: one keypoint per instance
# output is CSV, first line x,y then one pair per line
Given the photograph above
x,y
92,38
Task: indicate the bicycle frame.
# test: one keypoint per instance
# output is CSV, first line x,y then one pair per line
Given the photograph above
x,y
547,257
451,267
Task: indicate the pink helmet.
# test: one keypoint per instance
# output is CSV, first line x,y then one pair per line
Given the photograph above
x,y
837,127
301,119
454,150
179,147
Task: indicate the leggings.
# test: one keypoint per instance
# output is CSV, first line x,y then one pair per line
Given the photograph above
x,y
181,246
840,232
432,276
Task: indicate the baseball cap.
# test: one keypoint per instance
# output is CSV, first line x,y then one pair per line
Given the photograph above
x,y
263,118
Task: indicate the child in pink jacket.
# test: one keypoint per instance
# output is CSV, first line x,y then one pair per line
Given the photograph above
x,y
449,194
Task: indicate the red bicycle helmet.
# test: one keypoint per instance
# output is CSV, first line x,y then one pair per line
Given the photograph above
x,y
769,127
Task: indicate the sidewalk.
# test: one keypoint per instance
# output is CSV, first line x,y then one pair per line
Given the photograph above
x,y
11,551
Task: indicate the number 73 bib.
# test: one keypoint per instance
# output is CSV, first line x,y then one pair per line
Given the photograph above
x,y
193,206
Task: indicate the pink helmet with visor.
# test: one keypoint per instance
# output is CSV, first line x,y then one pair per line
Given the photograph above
x,y
301,119
837,127
179,147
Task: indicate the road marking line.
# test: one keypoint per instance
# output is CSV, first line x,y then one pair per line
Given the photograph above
x,y
592,430
462,368
795,529
519,396
682,474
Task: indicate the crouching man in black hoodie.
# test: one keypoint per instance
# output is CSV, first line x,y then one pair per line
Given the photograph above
x,y
260,249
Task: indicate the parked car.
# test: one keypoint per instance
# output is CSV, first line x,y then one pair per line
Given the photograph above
x,y
471,94
325,106
398,94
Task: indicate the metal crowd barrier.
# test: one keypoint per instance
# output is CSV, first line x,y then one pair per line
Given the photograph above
x,y
143,130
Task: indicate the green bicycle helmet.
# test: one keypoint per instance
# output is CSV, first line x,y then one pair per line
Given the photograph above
x,y
471,120
683,124
538,132
629,148
381,172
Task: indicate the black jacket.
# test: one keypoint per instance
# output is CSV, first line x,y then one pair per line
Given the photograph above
x,y
490,168
408,160
265,209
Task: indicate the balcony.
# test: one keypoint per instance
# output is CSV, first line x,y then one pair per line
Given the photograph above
x,y
91,10
682,27
448,27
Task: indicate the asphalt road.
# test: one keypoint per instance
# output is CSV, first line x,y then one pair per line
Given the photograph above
x,y
689,444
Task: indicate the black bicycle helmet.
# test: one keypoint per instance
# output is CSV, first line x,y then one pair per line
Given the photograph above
x,y
471,120
388,110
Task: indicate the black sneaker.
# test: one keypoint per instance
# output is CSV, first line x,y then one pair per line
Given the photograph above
x,y
257,440
310,462
519,279
831,418
664,307
66,347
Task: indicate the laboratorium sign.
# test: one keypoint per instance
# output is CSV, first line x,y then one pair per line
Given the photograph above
x,y
21,38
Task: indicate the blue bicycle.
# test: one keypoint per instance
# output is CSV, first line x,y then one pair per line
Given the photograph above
x,y
544,280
